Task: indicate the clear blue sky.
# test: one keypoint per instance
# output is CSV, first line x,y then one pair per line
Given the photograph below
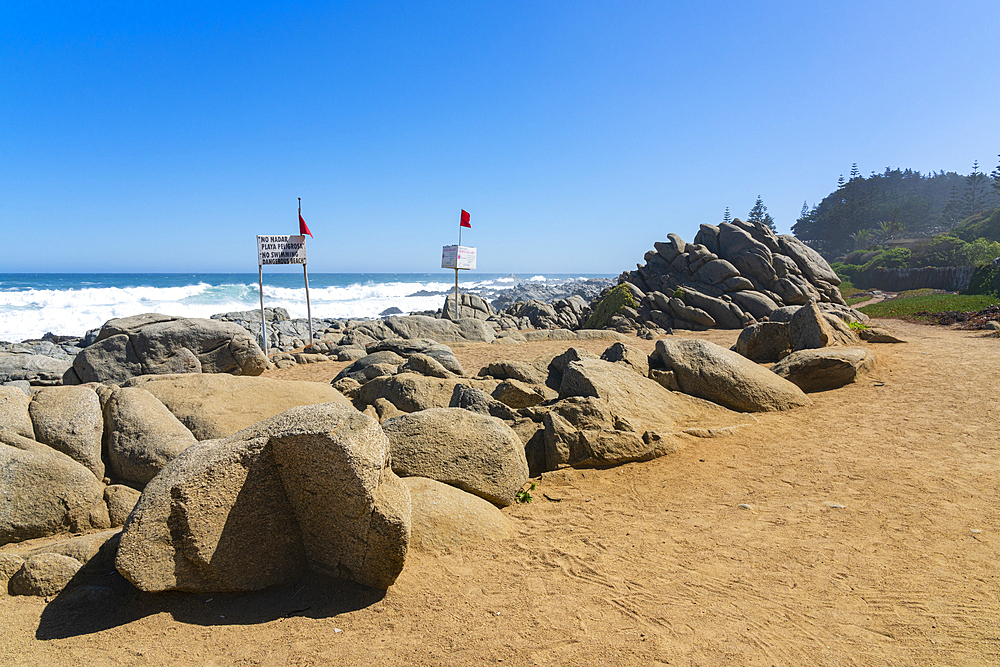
x,y
165,136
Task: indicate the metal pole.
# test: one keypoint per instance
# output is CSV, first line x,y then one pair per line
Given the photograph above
x,y
308,307
263,323
456,295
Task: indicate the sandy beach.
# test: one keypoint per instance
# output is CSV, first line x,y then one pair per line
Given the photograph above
x,y
860,530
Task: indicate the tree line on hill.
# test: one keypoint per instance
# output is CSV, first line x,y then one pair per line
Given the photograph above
x,y
864,213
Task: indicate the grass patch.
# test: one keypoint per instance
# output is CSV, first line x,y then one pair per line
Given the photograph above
x,y
851,300
920,301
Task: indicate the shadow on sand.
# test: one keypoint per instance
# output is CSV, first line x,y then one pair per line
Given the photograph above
x,y
91,604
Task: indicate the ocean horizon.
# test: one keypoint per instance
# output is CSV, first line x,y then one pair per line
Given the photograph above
x,y
70,304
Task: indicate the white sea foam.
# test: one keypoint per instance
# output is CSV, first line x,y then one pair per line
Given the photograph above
x,y
30,313
73,308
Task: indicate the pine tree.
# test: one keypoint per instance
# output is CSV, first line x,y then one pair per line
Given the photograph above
x,y
804,213
727,216
952,212
975,190
759,215
995,175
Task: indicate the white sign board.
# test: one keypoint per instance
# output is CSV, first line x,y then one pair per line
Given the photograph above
x,y
281,250
458,257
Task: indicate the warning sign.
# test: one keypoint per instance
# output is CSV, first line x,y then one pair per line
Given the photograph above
x,y
281,250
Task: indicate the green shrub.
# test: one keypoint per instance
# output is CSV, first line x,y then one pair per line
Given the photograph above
x,y
985,224
896,258
619,297
986,280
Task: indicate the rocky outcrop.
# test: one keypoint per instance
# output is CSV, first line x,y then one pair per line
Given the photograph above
x,y
307,489
731,276
474,452
159,344
719,375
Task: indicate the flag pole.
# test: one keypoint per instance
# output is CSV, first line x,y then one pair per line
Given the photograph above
x,y
305,275
458,251
263,322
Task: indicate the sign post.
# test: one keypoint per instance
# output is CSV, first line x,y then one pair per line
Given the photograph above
x,y
281,249
459,258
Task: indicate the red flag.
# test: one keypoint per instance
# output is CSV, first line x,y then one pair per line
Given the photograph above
x,y
303,230
465,219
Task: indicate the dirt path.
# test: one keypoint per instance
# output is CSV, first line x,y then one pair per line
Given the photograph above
x,y
870,538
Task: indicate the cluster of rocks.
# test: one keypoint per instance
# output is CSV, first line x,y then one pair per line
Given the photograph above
x,y
131,346
732,275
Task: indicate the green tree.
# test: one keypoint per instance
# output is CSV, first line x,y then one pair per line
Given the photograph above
x,y
995,175
759,215
861,238
953,210
975,190
727,216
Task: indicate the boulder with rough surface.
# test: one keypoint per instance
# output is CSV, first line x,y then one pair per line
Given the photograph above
x,y
46,493
37,369
14,411
474,452
444,516
157,344
410,392
714,373
309,488
44,574
69,420
609,415
825,368
764,341
216,406
142,435
808,329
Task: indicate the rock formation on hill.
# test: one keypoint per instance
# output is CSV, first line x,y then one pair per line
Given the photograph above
x,y
732,275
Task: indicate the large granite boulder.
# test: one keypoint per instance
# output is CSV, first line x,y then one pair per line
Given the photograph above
x,y
14,411
405,348
469,305
609,415
142,435
714,373
474,452
444,517
216,406
373,365
46,493
310,488
422,326
764,341
411,392
69,420
825,368
44,574
808,329
159,344
37,369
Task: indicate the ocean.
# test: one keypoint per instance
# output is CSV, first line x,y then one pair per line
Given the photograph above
x,y
70,304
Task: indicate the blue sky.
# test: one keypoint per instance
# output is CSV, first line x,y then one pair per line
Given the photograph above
x,y
140,137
